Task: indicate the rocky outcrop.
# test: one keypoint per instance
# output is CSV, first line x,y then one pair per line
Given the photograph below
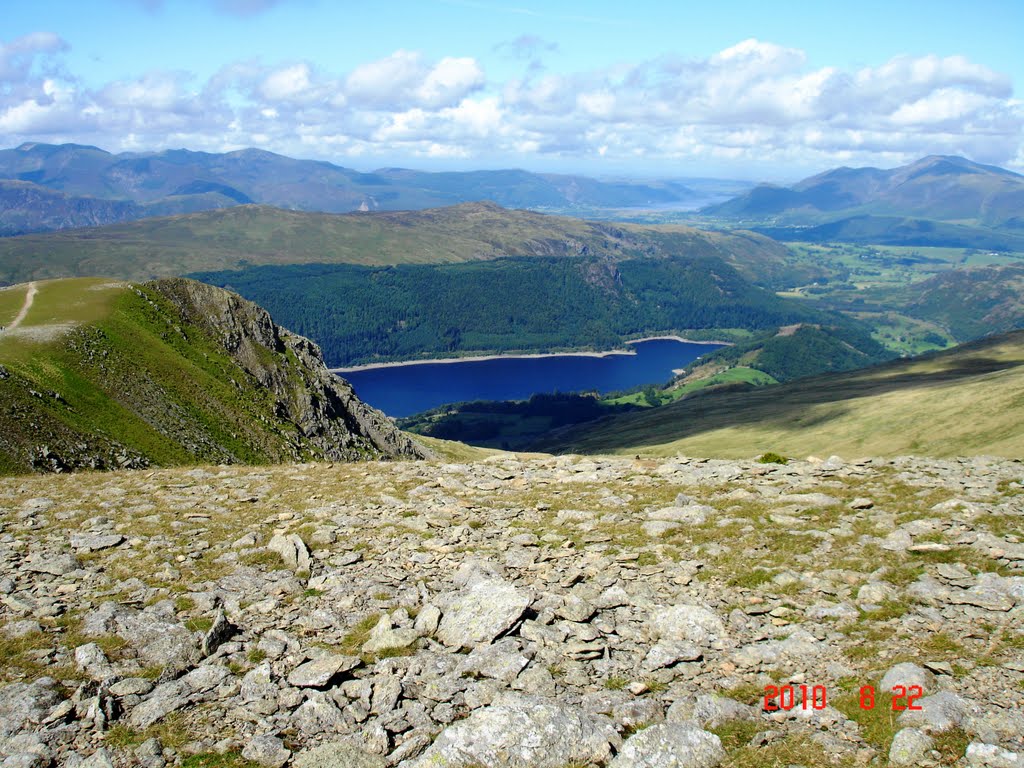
x,y
323,407
514,612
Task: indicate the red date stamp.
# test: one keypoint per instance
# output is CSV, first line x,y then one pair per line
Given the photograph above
x,y
786,697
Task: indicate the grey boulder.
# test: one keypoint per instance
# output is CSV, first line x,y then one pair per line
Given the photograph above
x,y
522,732
670,745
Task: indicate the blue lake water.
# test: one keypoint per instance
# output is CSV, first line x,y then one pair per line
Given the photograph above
x,y
403,390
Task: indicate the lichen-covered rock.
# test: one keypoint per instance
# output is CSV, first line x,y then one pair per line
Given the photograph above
x,y
670,745
522,732
481,612
909,747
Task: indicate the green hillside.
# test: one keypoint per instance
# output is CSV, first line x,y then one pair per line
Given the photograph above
x,y
372,314
250,235
105,374
964,401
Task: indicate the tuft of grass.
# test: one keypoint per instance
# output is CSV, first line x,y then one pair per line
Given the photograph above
x,y
772,458
266,557
746,693
616,683
750,578
736,734
256,655
354,639
214,760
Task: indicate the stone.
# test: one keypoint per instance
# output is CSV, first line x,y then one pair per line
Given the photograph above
x,y
385,637
293,551
875,592
219,632
318,714
941,712
91,660
501,661
55,565
266,750
94,542
658,528
427,620
25,705
909,747
337,755
667,653
670,745
522,732
319,672
907,674
981,755
690,623
481,612
710,711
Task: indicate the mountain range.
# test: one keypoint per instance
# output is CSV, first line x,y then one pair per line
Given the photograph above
x,y
45,186
936,187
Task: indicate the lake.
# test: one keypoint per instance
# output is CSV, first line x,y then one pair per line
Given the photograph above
x,y
402,390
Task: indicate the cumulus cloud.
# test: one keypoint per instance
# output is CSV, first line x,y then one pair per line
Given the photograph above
x,y
753,102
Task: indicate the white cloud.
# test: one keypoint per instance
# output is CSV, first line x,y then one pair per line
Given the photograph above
x,y
752,103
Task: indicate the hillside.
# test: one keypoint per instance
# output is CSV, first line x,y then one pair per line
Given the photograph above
x,y
967,400
256,235
371,314
136,185
95,373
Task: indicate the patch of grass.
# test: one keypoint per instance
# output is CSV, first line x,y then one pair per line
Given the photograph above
x,y
354,639
655,686
736,733
616,683
312,592
15,655
199,624
951,745
746,693
749,579
790,751
886,611
647,558
877,724
264,557
213,760
772,458
256,655
171,731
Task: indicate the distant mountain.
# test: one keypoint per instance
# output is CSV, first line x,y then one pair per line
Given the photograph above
x,y
129,186
936,187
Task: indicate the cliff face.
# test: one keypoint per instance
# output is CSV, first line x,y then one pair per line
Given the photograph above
x,y
174,372
324,407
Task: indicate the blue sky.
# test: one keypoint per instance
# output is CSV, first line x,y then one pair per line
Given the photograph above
x,y
734,88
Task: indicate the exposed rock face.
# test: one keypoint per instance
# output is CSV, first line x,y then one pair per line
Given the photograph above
x,y
323,406
513,612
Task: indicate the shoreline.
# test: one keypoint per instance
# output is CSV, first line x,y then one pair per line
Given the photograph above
x,y
523,356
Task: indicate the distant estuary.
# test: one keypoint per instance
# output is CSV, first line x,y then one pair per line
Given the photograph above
x,y
407,388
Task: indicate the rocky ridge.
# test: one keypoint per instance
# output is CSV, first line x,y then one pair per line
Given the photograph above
x,y
517,611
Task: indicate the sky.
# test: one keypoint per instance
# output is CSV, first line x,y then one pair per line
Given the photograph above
x,y
733,89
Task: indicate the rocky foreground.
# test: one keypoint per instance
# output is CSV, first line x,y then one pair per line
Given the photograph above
x,y
546,612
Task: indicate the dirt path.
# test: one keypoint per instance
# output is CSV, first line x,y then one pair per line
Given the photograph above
x,y
29,298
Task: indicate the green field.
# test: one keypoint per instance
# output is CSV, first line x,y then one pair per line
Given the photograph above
x,y
11,300
965,401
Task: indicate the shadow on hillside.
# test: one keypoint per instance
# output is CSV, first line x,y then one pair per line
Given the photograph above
x,y
769,406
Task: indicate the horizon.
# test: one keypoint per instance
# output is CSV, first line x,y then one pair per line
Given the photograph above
x,y
738,91
470,169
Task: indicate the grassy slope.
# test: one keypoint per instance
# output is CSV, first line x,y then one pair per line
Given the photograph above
x,y
969,400
257,235
126,374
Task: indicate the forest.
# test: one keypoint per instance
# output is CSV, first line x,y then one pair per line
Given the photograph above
x,y
361,314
